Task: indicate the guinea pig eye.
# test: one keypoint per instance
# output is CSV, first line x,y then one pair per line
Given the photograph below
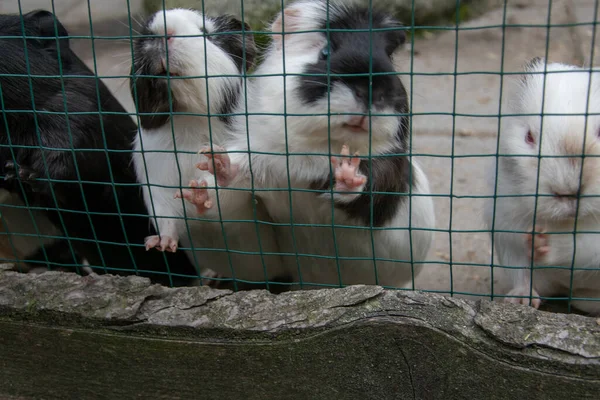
x,y
324,53
529,139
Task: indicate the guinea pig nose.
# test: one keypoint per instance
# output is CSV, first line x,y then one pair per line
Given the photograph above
x,y
170,33
357,123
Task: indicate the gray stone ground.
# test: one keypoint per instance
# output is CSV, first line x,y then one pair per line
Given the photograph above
x,y
479,50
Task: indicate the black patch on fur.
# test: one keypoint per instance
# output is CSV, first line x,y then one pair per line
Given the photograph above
x,y
233,42
242,50
151,95
389,174
102,156
352,52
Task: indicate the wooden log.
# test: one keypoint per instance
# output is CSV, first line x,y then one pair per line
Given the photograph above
x,y
64,336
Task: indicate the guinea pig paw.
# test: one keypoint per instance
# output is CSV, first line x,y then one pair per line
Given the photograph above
x,y
211,279
523,297
162,243
540,245
24,174
346,171
219,165
196,195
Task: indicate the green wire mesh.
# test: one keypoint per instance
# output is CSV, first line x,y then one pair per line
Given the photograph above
x,y
441,264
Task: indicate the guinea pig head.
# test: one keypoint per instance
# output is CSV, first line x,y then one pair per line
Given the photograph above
x,y
191,60
557,135
344,72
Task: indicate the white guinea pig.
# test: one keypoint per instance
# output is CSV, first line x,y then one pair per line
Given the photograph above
x,y
205,63
567,186
373,214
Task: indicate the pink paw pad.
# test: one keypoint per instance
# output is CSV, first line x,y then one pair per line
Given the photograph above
x,y
196,195
346,170
162,243
218,164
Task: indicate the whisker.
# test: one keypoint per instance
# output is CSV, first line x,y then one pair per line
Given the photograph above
x,y
317,83
128,26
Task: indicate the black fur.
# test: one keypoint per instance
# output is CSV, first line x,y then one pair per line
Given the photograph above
x,y
234,43
86,133
390,174
352,52
241,48
151,94
55,255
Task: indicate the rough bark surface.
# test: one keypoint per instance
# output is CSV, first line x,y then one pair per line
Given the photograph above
x,y
106,337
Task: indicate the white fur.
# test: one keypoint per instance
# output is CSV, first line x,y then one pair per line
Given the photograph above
x,y
309,134
170,170
565,93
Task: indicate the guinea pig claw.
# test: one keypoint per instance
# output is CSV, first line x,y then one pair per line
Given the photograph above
x,y
202,165
207,150
346,171
152,241
523,298
197,195
540,244
220,166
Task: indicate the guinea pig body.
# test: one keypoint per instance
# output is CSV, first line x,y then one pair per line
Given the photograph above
x,y
566,142
309,117
81,176
167,144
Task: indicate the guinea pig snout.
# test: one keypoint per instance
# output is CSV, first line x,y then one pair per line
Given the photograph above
x,y
169,35
357,123
168,66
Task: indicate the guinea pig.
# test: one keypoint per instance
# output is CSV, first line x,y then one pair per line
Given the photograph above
x,y
65,147
28,238
360,219
548,180
186,81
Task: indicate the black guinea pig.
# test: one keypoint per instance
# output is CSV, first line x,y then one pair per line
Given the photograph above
x,y
65,145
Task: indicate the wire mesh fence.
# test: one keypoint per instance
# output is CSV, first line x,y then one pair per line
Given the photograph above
x,y
102,130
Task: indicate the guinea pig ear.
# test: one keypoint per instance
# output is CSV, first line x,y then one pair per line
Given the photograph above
x,y
287,21
250,47
395,37
232,43
46,24
531,66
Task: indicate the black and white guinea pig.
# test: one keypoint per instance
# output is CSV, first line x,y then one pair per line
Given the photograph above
x,y
549,169
190,68
341,95
101,208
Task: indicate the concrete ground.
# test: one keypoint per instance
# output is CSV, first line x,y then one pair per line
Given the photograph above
x,y
483,51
